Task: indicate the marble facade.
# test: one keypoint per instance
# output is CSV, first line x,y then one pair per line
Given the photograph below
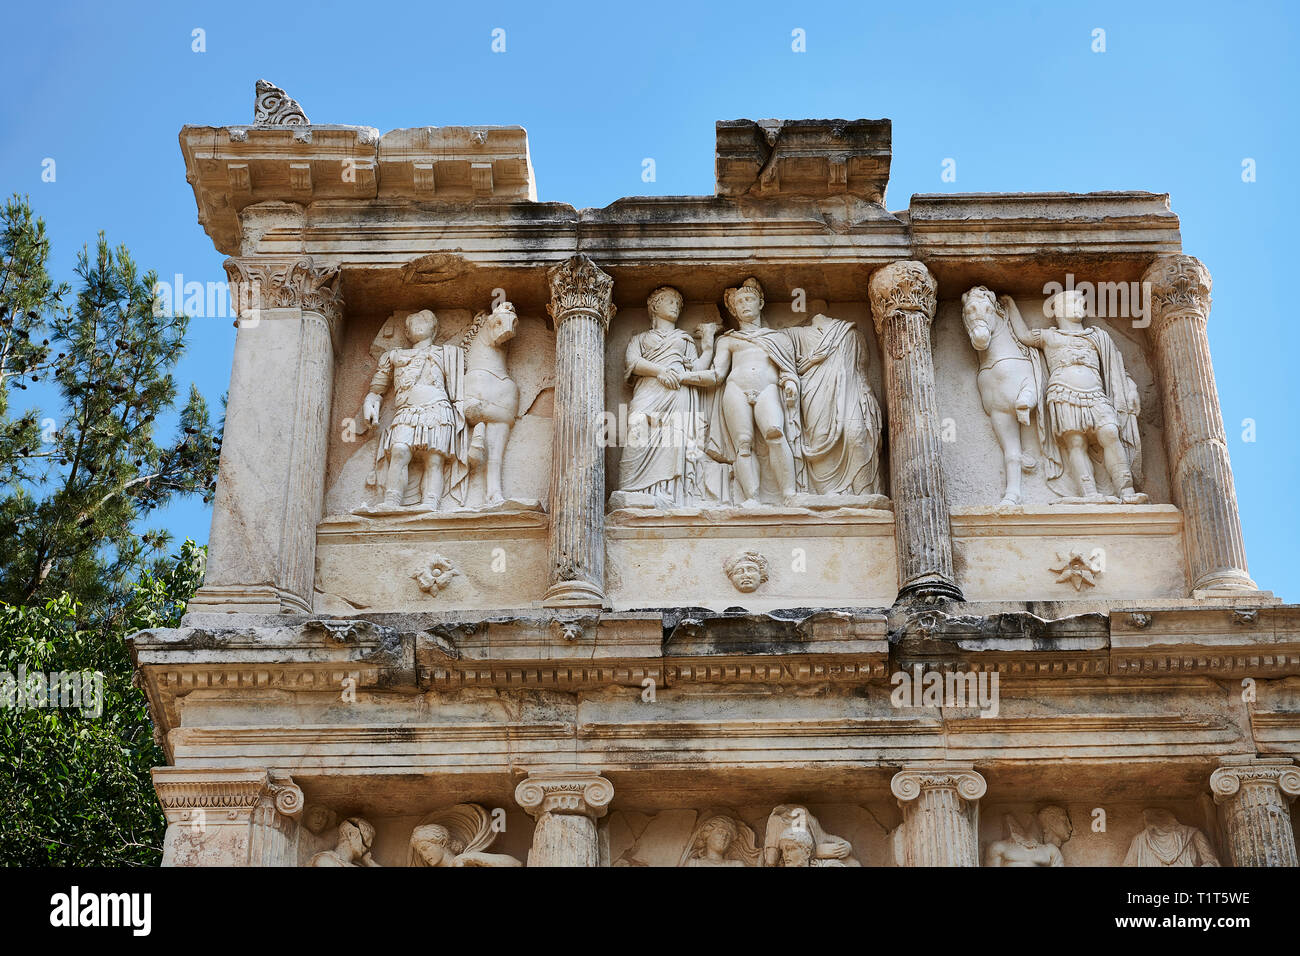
x,y
767,528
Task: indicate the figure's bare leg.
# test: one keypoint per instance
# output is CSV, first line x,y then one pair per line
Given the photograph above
x,y
1007,428
770,416
399,457
740,422
433,480
498,433
1076,453
1116,458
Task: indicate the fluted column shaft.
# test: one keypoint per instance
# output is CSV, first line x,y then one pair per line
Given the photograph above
x,y
271,478
221,817
902,304
940,815
566,807
1255,799
1197,446
581,307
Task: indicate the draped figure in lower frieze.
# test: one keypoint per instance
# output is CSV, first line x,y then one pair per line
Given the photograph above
x,y
1037,844
356,838
1166,842
456,836
721,840
795,838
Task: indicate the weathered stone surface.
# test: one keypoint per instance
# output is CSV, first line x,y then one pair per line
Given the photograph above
x,y
902,644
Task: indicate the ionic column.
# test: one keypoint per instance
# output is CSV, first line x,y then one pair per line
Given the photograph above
x,y
940,815
1194,437
1255,796
902,304
271,482
566,807
228,817
581,307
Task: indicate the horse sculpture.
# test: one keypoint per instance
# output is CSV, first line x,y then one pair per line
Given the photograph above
x,y
1010,380
491,396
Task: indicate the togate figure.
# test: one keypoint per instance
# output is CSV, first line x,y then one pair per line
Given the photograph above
x,y
1089,407
1010,380
840,417
659,467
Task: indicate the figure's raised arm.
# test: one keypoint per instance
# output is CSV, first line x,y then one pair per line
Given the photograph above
x,y
1030,337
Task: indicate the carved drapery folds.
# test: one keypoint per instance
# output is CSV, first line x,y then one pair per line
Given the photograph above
x,y
566,807
1200,475
277,417
1254,801
940,816
228,817
581,306
903,299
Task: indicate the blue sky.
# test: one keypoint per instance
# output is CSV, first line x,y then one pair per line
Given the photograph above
x,y
1182,94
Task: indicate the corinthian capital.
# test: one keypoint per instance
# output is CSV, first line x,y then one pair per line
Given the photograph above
x,y
257,283
1178,284
586,794
902,286
1227,782
579,287
908,785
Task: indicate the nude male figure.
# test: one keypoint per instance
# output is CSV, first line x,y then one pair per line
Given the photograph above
x,y
760,397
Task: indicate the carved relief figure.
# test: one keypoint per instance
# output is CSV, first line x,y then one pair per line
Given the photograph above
x,y
1090,405
795,838
665,421
428,425
457,836
1025,847
491,396
1166,842
1010,379
356,837
747,570
758,414
721,840
840,417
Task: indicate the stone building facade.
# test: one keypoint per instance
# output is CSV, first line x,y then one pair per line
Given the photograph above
x,y
757,529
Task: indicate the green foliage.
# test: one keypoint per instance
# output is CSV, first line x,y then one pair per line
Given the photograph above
x,y
98,468
75,785
77,572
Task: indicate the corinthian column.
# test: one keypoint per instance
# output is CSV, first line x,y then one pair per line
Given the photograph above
x,y
566,807
581,307
271,483
902,304
228,817
940,815
1256,795
1197,446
